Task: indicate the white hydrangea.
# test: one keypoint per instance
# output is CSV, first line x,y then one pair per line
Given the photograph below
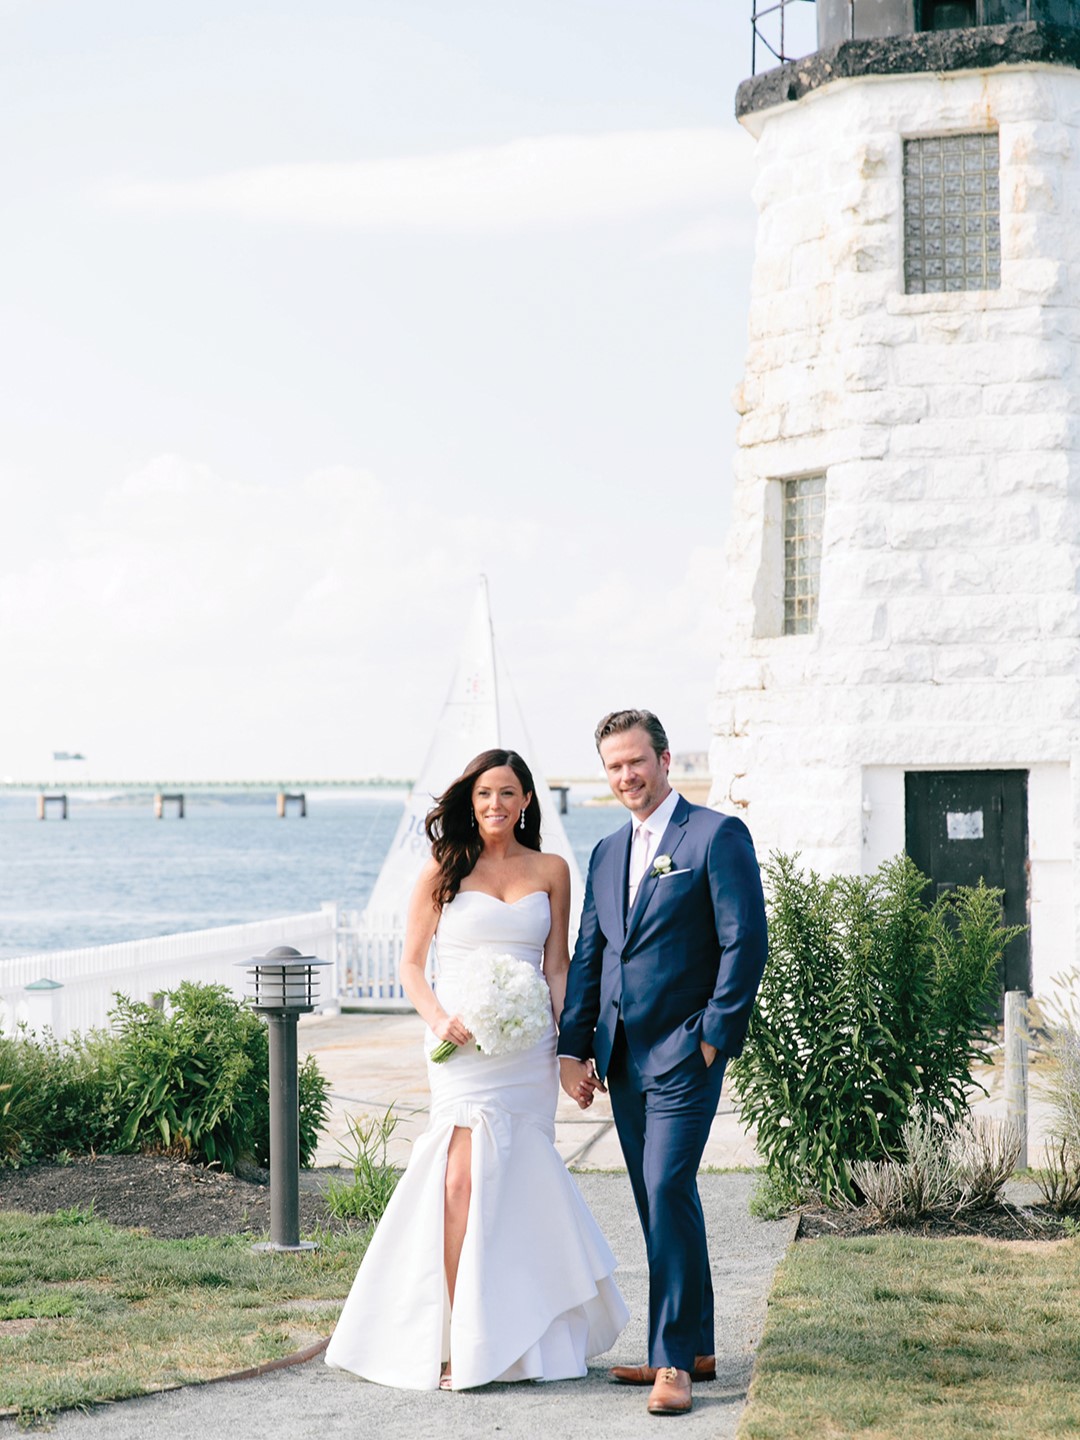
x,y
505,1002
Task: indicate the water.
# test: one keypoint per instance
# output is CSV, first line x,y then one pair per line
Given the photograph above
x,y
112,872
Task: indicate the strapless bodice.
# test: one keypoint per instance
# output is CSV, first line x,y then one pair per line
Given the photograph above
x,y
474,921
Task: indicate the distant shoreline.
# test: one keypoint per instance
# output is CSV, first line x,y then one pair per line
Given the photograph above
x,y
694,787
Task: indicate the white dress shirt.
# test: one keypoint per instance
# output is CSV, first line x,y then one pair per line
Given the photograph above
x,y
643,851
645,843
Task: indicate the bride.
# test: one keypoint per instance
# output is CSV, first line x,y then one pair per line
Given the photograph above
x,y
487,1265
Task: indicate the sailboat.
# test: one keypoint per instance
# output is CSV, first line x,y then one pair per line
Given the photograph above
x,y
481,713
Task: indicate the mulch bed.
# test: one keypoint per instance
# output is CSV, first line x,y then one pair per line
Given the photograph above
x,y
1004,1222
168,1198
174,1200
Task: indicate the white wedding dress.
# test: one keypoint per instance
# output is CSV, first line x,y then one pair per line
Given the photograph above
x,y
534,1296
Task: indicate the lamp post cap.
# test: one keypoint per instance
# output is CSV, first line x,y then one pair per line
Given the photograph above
x,y
281,961
281,957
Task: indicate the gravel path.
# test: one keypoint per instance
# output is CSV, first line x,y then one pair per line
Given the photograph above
x,y
313,1402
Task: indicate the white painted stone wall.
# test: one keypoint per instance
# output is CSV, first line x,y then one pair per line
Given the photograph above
x,y
948,427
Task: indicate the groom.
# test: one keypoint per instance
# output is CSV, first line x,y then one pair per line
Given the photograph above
x,y
668,959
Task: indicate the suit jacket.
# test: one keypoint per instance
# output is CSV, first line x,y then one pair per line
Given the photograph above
x,y
684,965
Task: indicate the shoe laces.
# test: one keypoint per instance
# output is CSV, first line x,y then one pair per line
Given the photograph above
x,y
668,1374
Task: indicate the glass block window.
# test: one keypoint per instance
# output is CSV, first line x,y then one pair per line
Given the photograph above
x,y
952,210
804,519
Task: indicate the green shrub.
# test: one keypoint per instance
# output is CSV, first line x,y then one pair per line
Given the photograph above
x,y
366,1196
772,1196
871,1004
76,1091
16,1104
194,1078
313,1091
55,1096
12,1110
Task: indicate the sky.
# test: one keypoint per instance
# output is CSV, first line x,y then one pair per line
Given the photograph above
x,y
310,315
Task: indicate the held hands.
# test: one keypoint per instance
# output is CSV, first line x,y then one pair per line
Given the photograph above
x,y
580,1080
452,1028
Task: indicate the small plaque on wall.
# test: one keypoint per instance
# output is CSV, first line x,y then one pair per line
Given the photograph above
x,y
960,825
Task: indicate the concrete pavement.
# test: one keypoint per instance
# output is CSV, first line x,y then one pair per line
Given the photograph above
x,y
374,1062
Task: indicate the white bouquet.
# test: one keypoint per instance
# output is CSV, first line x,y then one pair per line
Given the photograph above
x,y
506,1004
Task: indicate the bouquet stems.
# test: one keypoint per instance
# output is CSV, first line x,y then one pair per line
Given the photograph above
x,y
443,1051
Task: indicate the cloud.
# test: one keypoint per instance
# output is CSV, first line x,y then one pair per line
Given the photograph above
x,y
186,620
547,181
188,624
184,558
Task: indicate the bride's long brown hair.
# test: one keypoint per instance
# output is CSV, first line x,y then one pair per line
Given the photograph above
x,y
451,825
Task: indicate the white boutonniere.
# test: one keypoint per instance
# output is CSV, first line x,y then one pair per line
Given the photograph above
x,y
661,866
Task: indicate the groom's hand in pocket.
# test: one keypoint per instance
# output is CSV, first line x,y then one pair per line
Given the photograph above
x,y
709,1052
579,1080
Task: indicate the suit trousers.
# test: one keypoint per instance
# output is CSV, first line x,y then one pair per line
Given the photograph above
x,y
663,1122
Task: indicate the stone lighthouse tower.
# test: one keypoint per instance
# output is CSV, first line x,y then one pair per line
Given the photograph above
x,y
901,668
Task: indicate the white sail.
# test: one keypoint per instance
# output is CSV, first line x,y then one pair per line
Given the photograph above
x,y
481,713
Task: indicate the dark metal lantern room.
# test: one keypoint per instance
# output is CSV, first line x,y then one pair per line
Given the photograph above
x,y
782,29
839,20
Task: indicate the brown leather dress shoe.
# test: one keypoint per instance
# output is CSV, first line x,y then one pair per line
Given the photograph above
x,y
704,1369
671,1393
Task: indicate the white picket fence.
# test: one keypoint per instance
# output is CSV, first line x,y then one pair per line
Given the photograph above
x,y
83,982
368,957
73,990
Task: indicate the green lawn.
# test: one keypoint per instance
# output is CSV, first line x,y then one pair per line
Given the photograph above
x,y
887,1338
89,1312
895,1338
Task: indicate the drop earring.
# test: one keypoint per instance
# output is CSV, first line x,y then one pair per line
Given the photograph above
x,y
521,822
472,818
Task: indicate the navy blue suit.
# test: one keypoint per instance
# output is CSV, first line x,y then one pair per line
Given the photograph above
x,y
644,990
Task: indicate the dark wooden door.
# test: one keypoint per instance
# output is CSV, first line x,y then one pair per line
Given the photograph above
x,y
965,825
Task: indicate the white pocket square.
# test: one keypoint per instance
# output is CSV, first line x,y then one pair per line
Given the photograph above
x,y
670,874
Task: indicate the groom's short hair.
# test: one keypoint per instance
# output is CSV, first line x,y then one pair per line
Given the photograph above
x,y
621,720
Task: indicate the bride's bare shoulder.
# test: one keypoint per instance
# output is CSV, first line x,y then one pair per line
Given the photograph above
x,y
552,869
427,879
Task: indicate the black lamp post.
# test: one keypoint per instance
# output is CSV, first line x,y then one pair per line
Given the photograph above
x,y
285,983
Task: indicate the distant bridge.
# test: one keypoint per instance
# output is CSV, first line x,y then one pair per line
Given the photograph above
x,y
149,787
